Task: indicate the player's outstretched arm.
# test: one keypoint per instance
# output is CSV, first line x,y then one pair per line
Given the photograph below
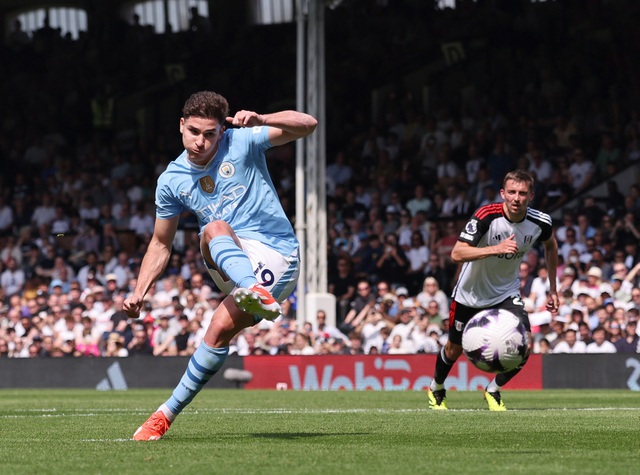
x,y
286,126
465,252
153,263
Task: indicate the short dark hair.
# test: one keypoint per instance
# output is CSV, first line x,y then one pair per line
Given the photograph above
x,y
519,176
206,104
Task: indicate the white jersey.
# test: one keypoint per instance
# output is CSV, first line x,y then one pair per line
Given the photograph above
x,y
487,282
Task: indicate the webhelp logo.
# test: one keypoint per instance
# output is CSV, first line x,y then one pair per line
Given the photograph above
x,y
399,381
376,373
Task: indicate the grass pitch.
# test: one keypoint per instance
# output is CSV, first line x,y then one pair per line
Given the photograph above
x,y
287,432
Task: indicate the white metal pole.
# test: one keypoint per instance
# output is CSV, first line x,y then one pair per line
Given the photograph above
x,y
300,224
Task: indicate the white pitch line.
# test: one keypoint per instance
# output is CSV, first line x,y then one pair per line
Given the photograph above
x,y
95,412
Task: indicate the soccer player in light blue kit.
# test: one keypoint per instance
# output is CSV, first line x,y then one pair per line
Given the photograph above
x,y
247,241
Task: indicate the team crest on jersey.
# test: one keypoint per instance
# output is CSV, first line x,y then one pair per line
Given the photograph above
x,y
207,184
226,170
528,238
471,227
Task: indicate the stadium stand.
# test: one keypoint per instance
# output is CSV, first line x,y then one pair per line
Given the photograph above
x,y
425,123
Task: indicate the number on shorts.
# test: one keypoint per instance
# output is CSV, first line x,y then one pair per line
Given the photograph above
x,y
266,277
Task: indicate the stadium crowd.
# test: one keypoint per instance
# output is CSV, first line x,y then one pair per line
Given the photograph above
x,y
76,216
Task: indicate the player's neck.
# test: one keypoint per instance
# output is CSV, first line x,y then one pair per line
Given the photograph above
x,y
514,218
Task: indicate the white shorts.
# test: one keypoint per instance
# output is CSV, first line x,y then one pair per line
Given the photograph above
x,y
279,274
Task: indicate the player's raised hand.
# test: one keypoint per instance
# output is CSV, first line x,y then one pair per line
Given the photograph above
x,y
246,119
508,246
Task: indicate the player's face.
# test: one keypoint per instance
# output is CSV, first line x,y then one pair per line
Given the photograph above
x,y
516,196
200,137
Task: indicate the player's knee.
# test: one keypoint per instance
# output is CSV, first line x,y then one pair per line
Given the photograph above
x,y
220,332
452,351
215,228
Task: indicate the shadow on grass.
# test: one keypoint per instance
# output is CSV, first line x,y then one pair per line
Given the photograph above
x,y
303,435
284,435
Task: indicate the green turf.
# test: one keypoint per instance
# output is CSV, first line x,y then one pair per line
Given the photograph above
x,y
268,432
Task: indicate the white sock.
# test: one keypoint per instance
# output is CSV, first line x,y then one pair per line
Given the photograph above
x,y
493,387
435,386
167,412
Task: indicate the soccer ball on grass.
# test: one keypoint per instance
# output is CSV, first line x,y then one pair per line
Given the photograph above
x,y
495,341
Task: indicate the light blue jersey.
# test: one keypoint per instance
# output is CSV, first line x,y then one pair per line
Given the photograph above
x,y
234,187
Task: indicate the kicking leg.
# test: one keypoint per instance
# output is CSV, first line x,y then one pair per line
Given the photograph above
x,y
222,250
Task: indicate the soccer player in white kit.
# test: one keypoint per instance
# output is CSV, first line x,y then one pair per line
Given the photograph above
x,y
246,239
490,249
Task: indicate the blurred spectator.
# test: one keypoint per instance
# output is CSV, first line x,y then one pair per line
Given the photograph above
x,y
557,192
456,202
6,217
630,341
571,242
372,336
600,343
570,343
367,257
327,331
140,344
581,171
419,201
444,244
12,279
436,270
393,263
163,341
364,296
609,156
115,346
431,292
338,173
421,337
614,202
418,256
499,161
403,327
302,345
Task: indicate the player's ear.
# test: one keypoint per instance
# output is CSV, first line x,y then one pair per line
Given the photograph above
x,y
181,124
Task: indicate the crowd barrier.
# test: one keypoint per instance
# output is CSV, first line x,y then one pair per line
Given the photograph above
x,y
322,373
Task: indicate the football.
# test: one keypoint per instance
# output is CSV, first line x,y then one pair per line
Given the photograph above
x,y
495,341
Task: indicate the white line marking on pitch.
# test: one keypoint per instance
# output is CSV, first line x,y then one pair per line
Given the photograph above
x,y
94,412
